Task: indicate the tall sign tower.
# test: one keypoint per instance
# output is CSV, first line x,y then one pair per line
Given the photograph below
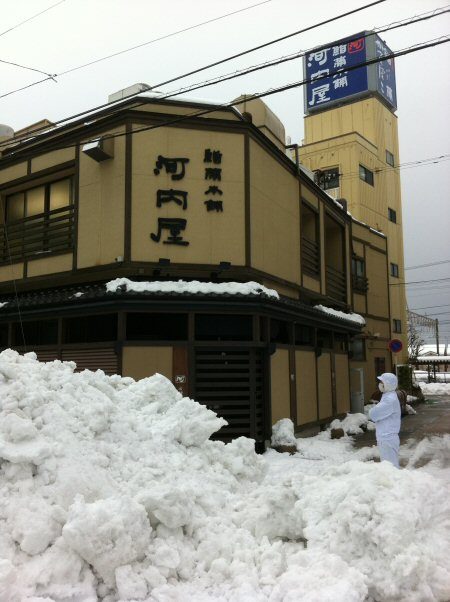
x,y
351,143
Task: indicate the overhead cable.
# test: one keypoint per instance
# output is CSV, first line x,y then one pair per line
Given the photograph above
x,y
277,90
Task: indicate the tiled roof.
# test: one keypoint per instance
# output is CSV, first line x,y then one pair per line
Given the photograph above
x,y
84,294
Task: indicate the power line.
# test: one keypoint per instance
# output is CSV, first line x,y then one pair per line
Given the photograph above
x,y
428,265
218,107
31,18
28,68
219,79
418,282
327,21
266,44
297,55
169,35
430,307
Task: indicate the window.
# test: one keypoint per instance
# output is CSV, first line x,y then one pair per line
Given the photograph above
x,y
394,270
328,178
280,332
90,329
218,327
340,342
397,325
35,332
390,158
358,350
392,215
3,335
380,366
366,175
304,335
157,327
324,338
38,220
310,248
359,280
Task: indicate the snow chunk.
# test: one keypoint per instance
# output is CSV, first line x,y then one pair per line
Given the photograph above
x,y
192,288
352,424
108,533
283,433
351,317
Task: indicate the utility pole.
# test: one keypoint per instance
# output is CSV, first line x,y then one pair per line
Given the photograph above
x,y
437,335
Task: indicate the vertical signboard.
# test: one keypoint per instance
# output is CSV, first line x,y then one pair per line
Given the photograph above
x,y
333,74
327,75
385,73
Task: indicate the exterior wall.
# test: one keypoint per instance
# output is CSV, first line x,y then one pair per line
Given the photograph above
x,y
213,236
11,272
140,362
342,378
306,387
101,208
274,217
324,385
50,265
360,133
51,159
374,305
12,173
280,385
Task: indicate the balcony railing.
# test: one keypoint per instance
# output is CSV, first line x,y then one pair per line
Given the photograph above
x,y
336,284
360,284
310,257
42,234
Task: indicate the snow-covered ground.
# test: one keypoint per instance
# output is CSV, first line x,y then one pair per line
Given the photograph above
x,y
110,489
435,388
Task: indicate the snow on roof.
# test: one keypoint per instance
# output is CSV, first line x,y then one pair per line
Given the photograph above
x,y
432,358
193,288
351,317
431,349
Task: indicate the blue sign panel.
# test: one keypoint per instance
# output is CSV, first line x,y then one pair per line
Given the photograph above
x,y
328,71
385,73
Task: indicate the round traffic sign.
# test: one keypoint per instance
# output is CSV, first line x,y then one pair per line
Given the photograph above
x,y
395,345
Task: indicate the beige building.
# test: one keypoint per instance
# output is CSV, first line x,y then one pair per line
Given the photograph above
x,y
161,190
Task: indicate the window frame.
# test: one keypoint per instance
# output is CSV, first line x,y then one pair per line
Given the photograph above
x,y
327,177
50,232
390,158
364,175
394,270
396,326
392,213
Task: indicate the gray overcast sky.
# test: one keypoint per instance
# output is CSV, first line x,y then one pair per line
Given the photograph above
x,y
78,31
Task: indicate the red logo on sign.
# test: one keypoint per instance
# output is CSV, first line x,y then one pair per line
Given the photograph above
x,y
356,45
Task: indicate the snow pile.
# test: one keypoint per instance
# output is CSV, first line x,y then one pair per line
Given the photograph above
x,y
192,288
111,489
351,317
353,424
435,388
432,449
283,433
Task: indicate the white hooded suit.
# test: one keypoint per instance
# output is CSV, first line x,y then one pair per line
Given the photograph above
x,y
387,417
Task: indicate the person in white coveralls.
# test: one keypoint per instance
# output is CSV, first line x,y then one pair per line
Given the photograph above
x,y
387,417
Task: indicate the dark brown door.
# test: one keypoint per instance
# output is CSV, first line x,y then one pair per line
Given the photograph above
x,y
229,381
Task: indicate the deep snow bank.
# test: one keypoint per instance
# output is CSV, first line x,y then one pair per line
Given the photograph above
x,y
111,489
